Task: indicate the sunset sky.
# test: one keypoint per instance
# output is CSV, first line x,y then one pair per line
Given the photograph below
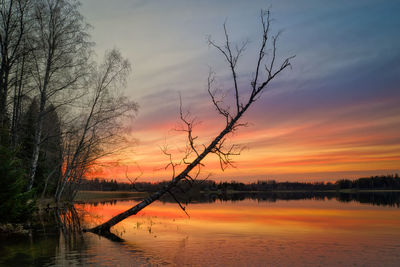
x,y
335,114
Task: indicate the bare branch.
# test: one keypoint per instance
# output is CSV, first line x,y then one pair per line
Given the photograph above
x,y
133,180
189,127
222,111
218,145
179,203
265,22
232,60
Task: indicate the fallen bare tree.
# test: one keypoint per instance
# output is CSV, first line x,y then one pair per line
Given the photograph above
x,y
218,145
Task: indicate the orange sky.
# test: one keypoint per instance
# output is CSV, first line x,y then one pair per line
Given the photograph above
x,y
335,114
354,141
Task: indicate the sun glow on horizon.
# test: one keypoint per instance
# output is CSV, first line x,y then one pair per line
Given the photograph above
x,y
335,115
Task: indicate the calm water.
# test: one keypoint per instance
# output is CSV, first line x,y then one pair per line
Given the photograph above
x,y
249,232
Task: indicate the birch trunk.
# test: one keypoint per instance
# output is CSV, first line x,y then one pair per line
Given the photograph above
x,y
37,141
39,122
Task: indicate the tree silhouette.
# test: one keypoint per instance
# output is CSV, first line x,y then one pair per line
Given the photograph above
x,y
217,146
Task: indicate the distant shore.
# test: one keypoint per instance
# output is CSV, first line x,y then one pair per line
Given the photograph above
x,y
98,196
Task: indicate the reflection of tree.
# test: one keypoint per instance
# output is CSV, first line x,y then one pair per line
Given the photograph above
x,y
68,220
375,198
230,108
391,199
56,240
52,237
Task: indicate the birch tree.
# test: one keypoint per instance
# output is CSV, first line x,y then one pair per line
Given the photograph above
x,y
98,128
13,27
60,55
266,69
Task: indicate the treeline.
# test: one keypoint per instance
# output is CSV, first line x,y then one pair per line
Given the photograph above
x,y
375,182
388,182
97,184
60,111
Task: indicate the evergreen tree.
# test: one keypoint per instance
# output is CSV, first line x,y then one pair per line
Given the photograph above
x,y
15,205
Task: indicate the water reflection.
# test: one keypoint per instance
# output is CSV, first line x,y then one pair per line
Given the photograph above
x,y
261,230
252,232
57,240
53,235
391,199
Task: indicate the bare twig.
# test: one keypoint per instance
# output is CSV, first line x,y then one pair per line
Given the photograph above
x,y
218,145
179,203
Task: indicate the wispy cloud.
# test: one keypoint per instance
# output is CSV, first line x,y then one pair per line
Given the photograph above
x,y
335,114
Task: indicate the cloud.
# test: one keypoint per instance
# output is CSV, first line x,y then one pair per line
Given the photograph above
x,y
334,114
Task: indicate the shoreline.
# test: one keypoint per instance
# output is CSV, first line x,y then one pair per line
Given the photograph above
x,y
87,196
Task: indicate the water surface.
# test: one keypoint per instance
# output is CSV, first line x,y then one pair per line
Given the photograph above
x,y
249,232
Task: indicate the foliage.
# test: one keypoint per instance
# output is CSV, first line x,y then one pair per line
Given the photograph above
x,y
51,148
16,204
59,110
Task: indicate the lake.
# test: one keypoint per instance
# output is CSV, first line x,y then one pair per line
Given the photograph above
x,y
240,231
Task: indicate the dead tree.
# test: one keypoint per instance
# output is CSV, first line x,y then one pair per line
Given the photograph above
x,y
218,145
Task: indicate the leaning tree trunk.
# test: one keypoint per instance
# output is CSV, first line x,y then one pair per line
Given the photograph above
x,y
257,88
104,229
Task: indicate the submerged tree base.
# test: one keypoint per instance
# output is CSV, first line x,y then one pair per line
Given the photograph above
x,y
104,232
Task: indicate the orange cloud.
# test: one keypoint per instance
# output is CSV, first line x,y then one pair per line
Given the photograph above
x,y
359,139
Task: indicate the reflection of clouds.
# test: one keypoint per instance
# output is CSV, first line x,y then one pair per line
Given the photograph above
x,y
246,231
